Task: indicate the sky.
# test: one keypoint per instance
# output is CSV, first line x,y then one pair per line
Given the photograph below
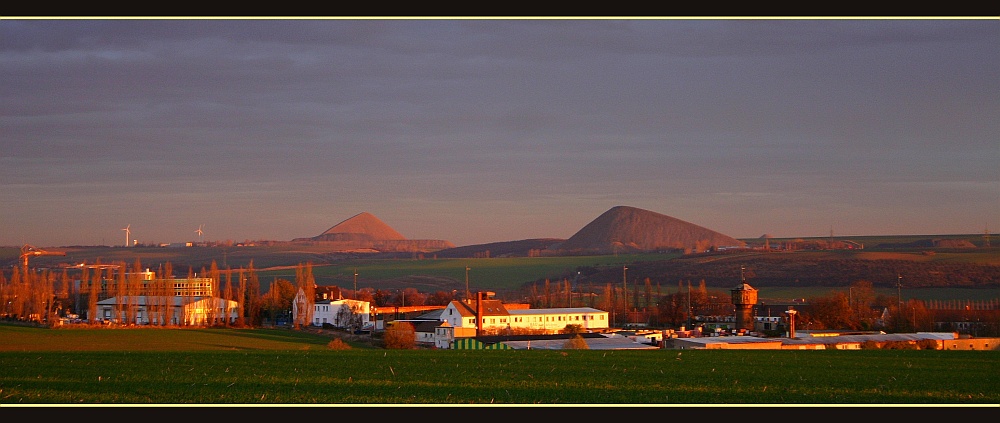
x,y
486,130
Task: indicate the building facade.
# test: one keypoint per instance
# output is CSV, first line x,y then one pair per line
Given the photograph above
x,y
470,318
167,310
327,309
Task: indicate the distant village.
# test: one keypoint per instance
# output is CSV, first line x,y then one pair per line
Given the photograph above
x,y
474,321
118,295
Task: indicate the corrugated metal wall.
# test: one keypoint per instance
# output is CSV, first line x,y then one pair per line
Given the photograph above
x,y
472,344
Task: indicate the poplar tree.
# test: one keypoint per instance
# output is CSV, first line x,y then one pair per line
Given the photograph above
x,y
253,295
213,293
169,294
93,296
227,296
241,295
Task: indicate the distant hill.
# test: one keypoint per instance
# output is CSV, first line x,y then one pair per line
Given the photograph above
x,y
363,226
365,233
631,229
521,248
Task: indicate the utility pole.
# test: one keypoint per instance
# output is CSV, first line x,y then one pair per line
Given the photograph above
x,y
355,283
467,293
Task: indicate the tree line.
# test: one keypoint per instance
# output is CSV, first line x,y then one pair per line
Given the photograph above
x,y
46,295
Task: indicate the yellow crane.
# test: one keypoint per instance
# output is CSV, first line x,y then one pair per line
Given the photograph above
x,y
32,251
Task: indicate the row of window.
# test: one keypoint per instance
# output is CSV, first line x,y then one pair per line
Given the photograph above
x,y
538,319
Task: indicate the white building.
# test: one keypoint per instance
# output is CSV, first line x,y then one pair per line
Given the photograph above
x,y
167,310
461,321
495,318
340,312
554,320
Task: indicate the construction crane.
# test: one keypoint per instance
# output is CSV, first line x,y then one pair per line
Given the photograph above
x,y
32,251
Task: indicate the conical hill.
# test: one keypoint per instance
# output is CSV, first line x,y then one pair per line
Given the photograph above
x,y
631,229
362,226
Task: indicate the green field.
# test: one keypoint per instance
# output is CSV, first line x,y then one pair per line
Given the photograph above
x,y
228,366
510,274
496,274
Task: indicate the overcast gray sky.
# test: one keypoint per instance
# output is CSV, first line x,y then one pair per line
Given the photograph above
x,y
480,130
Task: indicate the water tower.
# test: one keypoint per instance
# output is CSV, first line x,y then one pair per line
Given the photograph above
x,y
744,298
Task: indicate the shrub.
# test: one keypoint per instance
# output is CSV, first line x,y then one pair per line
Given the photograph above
x,y
899,345
338,344
869,345
400,336
572,329
927,344
576,343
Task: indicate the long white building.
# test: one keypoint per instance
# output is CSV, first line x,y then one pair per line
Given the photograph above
x,y
466,319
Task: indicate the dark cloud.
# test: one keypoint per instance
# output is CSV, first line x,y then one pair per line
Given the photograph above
x,y
777,126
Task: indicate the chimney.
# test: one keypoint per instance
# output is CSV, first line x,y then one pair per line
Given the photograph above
x,y
479,313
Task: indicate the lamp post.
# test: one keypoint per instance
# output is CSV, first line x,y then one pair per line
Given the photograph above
x,y
899,301
355,283
467,283
899,283
625,293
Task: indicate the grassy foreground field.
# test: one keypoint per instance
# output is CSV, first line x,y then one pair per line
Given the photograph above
x,y
252,367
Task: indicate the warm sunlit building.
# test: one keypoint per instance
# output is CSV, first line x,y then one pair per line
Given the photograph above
x,y
167,310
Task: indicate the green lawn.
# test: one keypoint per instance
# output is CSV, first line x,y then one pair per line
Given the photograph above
x,y
222,366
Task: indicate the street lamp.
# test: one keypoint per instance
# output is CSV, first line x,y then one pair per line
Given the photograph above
x,y
355,283
899,283
467,293
625,293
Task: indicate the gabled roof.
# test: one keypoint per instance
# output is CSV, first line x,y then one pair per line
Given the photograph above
x,y
332,292
431,315
490,308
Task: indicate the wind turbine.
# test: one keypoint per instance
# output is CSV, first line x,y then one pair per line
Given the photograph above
x,y
199,231
128,233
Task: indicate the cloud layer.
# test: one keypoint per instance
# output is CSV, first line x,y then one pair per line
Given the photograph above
x,y
478,131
